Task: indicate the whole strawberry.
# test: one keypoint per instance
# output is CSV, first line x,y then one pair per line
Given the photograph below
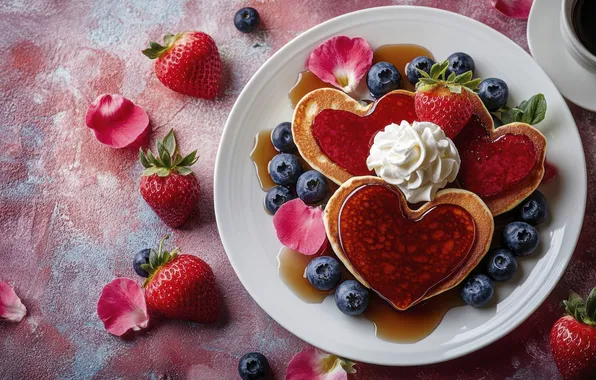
x,y
573,338
189,63
445,102
167,184
181,286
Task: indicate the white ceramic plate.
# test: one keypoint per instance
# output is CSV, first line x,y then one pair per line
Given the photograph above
x,y
249,237
574,81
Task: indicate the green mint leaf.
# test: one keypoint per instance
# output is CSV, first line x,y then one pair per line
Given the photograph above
x,y
170,142
534,109
510,115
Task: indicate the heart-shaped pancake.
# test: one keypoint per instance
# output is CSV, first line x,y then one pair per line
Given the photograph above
x,y
405,255
334,132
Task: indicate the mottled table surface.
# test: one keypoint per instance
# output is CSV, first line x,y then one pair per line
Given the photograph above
x,y
71,215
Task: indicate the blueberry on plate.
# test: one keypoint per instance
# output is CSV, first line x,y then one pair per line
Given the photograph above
x,y
282,139
141,257
460,63
494,93
477,290
323,272
247,20
534,209
423,63
285,169
382,78
351,297
501,264
276,197
312,187
253,366
520,238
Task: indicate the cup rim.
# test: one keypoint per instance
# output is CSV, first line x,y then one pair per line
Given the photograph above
x,y
571,35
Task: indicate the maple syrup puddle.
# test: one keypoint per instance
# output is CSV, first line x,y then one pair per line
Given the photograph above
x,y
391,325
397,54
263,152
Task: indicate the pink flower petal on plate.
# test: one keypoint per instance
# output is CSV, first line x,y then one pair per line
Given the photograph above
x,y
122,307
300,227
341,61
118,122
313,364
11,307
513,8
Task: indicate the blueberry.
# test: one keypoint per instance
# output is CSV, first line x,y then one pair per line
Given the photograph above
x,y
501,264
312,187
382,78
534,209
285,169
521,238
496,121
253,366
494,93
276,197
282,139
423,63
141,257
247,20
323,272
460,63
477,290
351,297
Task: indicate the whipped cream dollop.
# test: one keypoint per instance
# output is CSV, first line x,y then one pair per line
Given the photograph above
x,y
418,158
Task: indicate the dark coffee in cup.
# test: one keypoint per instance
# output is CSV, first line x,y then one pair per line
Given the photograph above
x,y
584,23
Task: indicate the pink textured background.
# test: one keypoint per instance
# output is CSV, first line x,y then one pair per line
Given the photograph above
x,y
71,215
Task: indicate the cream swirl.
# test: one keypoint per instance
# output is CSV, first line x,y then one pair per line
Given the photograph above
x,y
417,158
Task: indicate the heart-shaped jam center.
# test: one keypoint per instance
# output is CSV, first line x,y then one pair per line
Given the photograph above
x,y
346,138
490,167
401,258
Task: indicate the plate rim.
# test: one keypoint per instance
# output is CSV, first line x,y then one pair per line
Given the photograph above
x,y
487,339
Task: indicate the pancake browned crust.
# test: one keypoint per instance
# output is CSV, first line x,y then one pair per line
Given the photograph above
x,y
469,201
328,98
513,196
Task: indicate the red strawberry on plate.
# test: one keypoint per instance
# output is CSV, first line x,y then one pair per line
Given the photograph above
x,y
573,338
445,102
189,63
181,286
168,185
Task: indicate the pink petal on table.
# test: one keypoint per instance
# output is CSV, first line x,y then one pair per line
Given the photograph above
x,y
313,364
513,8
341,61
11,307
118,122
122,307
300,227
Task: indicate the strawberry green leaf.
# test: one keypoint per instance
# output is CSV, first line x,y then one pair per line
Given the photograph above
x,y
170,142
151,158
183,170
153,259
163,172
463,78
160,148
454,88
591,306
150,171
189,159
143,159
423,73
451,77
165,158
473,84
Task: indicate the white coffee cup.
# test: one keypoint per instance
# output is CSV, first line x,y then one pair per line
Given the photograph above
x,y
578,51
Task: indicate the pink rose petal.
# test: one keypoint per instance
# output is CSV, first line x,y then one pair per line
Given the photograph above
x,y
122,307
300,227
312,364
11,307
118,122
513,8
341,61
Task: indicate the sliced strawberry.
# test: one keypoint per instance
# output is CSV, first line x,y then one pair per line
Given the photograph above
x,y
445,101
573,338
189,63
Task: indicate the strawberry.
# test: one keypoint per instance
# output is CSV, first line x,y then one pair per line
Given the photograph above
x,y
445,102
181,286
189,63
167,184
573,338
